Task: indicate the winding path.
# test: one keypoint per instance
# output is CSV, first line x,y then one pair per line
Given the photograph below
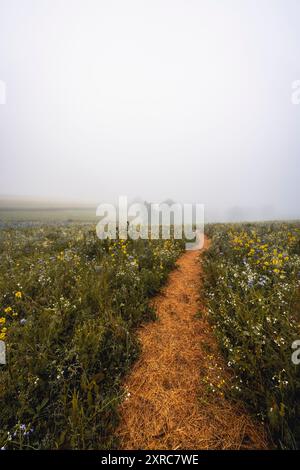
x,y
175,392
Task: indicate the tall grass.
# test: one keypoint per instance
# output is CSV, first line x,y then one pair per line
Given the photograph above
x,y
252,286
69,307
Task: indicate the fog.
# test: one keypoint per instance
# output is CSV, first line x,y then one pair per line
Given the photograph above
x,y
188,100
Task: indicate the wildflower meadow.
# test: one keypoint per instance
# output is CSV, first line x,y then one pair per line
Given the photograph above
x,y
252,285
70,304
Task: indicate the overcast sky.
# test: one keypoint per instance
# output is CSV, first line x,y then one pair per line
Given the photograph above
x,y
181,99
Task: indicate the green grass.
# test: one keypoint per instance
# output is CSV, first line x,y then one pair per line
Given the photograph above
x,y
252,288
71,304
8,216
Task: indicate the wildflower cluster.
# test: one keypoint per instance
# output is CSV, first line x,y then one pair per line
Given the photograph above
x,y
264,252
252,289
9,314
69,307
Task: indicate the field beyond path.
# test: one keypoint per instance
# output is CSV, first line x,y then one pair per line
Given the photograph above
x,y
174,392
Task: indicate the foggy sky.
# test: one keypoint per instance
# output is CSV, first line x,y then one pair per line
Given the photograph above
x,y
181,99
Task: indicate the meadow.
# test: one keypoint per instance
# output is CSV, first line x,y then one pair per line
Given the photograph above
x,y
252,281
70,305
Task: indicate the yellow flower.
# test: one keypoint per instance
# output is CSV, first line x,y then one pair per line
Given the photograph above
x,y
2,320
8,310
2,336
18,295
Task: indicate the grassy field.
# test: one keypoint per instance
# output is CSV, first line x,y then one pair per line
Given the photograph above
x,y
70,305
36,216
252,278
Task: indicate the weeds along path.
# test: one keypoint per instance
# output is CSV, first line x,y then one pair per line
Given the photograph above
x,y
174,392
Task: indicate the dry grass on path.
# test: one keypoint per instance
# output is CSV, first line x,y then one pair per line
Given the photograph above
x,y
169,405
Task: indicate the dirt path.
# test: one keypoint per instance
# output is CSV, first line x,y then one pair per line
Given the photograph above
x,y
171,402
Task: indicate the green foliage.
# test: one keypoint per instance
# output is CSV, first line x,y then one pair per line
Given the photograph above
x,y
70,305
252,289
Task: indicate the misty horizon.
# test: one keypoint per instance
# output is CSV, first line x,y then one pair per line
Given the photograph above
x,y
183,100
212,214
